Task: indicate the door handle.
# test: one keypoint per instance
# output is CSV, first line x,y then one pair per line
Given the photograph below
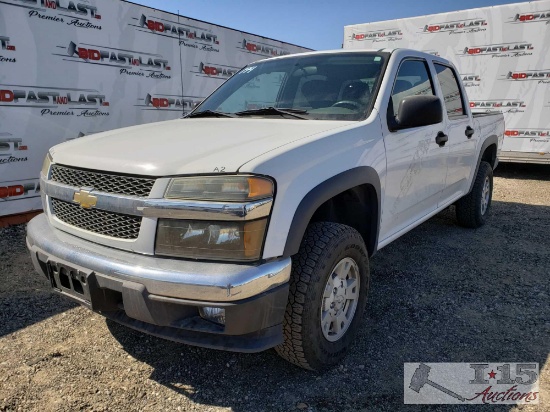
x,y
469,132
441,139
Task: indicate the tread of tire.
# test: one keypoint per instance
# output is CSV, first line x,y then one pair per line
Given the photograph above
x,y
316,237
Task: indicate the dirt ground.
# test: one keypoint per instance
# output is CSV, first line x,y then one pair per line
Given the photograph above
x,y
441,293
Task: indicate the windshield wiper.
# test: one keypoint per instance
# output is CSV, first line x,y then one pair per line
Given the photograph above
x,y
209,113
275,110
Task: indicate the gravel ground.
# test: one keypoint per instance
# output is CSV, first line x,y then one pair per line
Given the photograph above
x,y
439,294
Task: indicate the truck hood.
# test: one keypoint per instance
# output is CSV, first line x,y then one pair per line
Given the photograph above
x,y
186,146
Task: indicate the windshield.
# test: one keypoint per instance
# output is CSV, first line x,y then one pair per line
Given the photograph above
x,y
338,86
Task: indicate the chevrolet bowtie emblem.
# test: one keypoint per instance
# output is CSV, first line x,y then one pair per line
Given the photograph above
x,y
85,199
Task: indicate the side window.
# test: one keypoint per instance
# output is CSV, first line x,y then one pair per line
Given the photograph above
x,y
454,102
413,79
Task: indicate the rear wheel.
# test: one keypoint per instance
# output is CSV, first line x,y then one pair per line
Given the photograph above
x,y
473,209
328,290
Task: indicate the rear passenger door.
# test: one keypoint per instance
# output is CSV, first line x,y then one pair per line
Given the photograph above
x,y
416,164
462,141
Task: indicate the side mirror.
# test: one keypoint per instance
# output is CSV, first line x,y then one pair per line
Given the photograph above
x,y
416,111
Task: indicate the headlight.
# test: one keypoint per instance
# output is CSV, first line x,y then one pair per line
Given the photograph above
x,y
236,241
220,188
46,165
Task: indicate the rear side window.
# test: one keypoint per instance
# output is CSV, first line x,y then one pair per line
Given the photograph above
x,y
413,79
454,103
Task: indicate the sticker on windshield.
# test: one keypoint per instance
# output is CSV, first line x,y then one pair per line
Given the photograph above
x,y
248,69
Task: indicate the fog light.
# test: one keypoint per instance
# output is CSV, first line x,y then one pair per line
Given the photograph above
x,y
216,315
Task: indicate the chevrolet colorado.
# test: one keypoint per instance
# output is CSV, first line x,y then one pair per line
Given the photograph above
x,y
249,223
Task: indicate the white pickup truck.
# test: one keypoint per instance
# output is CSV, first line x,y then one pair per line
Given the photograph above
x,y
249,223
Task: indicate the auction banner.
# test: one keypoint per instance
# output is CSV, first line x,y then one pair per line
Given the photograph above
x,y
70,68
501,52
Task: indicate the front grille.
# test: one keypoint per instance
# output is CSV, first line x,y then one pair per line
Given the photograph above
x,y
98,221
103,182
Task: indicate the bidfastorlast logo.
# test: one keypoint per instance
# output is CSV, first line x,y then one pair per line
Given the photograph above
x,y
213,70
188,36
6,46
55,101
128,62
262,49
176,103
80,14
534,135
502,105
20,189
12,149
376,36
516,49
541,76
456,27
532,17
471,79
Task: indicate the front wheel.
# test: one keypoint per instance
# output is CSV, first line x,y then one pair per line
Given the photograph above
x,y
328,291
473,209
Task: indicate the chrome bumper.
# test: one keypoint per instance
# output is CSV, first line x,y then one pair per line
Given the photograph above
x,y
180,279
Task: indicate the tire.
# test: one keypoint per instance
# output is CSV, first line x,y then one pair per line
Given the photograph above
x,y
325,247
473,209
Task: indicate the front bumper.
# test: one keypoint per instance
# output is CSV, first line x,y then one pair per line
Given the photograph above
x,y
163,296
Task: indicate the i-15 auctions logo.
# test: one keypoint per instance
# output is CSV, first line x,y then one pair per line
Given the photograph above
x,y
6,46
379,35
503,105
456,27
128,62
499,50
12,150
176,103
188,36
471,383
262,49
542,76
73,13
55,101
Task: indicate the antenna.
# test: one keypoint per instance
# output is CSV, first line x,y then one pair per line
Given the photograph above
x,y
181,67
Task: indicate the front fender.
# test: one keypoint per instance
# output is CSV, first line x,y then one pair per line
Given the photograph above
x,y
328,189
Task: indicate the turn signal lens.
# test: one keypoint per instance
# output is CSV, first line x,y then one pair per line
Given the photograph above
x,y
220,188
